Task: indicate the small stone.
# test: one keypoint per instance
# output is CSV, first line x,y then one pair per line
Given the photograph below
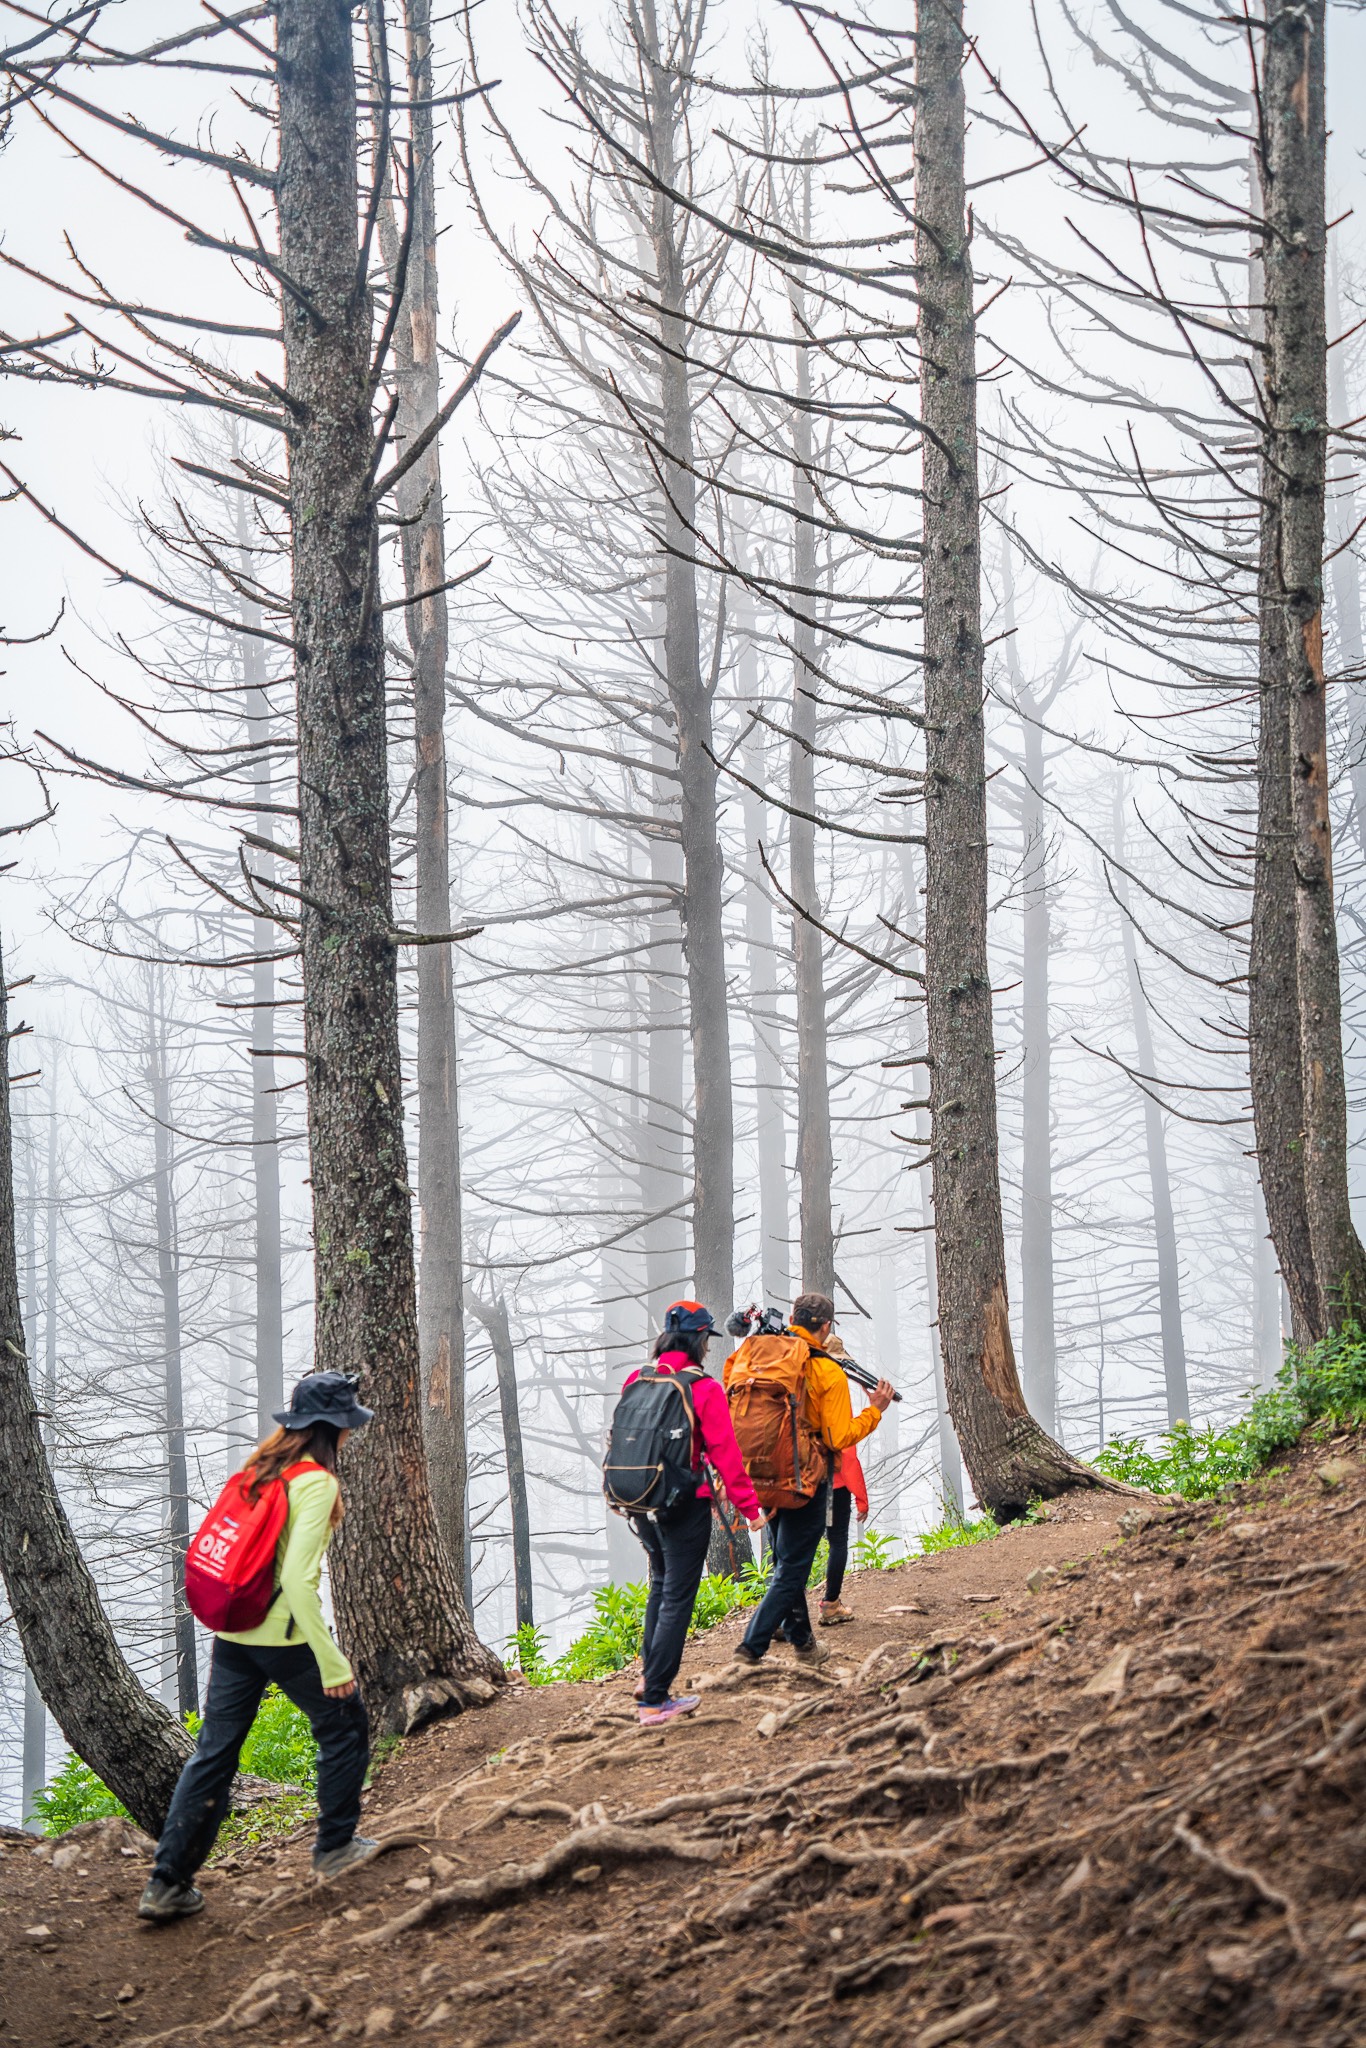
x,y
439,2013
352,1913
110,2015
1133,1520
768,1725
379,2021
1235,1963
443,1868
39,1933
587,1873
1334,1471
1357,1931
1076,1880
1040,1576
64,1857
127,1992
417,1884
1111,1675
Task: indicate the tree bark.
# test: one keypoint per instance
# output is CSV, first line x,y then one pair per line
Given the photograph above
x,y
126,1737
395,1585
815,1150
265,1131
168,1286
690,693
770,1135
1155,1141
1346,570
33,1757
441,1328
494,1318
1294,142
1010,1458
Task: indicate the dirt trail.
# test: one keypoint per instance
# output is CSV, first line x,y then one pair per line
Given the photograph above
x,y
1125,1808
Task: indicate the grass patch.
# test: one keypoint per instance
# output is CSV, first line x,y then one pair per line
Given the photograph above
x,y
614,1635
1318,1390
280,1748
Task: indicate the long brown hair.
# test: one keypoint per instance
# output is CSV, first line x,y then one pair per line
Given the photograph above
x,y
286,1447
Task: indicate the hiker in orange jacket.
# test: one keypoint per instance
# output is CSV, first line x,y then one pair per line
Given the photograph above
x,y
797,1531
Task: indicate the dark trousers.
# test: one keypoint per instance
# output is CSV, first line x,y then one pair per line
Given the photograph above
x,y
238,1678
797,1534
837,1529
676,1544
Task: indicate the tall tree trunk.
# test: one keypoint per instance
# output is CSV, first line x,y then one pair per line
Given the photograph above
x,y
690,695
1346,570
815,1152
1294,252
1037,1309
494,1318
665,1142
1155,1140
168,1285
33,1757
1268,1344
1273,1015
1008,1455
770,1134
395,1585
265,1132
126,1737
440,1295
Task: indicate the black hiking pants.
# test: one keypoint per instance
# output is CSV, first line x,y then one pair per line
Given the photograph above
x,y
841,1501
797,1534
238,1677
676,1545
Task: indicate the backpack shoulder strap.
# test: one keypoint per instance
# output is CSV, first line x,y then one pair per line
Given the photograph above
x,y
304,1465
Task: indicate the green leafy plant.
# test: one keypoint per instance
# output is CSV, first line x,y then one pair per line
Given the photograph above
x,y
74,1794
1321,1388
527,1652
265,1821
954,1531
280,1748
876,1553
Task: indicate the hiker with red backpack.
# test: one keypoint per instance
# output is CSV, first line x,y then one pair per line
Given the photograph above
x,y
789,1402
252,1575
671,1423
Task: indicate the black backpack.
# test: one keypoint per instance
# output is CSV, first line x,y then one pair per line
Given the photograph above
x,y
649,1463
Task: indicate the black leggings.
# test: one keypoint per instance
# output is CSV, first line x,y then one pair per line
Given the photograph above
x,y
238,1678
841,1501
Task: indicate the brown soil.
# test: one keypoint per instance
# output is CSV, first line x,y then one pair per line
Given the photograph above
x,y
1126,1809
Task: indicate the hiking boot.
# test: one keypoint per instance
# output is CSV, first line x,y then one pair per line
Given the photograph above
x,y
167,1899
744,1660
810,1653
656,1717
349,1856
834,1612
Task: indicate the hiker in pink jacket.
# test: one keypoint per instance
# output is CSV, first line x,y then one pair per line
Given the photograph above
x,y
676,1539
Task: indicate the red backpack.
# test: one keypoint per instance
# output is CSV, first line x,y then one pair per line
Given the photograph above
x,y
230,1565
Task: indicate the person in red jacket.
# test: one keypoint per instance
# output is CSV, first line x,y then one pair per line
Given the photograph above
x,y
850,1491
676,1541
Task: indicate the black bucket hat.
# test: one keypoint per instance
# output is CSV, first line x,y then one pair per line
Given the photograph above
x,y
325,1397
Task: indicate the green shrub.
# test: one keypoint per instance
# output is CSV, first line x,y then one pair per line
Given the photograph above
x,y
74,1794
875,1553
1322,1387
280,1748
954,1531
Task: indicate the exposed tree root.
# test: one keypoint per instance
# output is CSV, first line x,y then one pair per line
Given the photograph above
x,y
610,1844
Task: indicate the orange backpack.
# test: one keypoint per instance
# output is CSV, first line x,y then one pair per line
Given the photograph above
x,y
771,1414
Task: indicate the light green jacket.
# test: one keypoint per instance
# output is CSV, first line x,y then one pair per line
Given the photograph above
x,y
296,1613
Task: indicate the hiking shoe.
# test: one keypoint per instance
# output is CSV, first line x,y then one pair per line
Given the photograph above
x,y
655,1717
164,1899
834,1612
810,1653
333,1862
744,1659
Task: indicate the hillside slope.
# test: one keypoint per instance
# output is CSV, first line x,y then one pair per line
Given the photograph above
x,y
1125,1808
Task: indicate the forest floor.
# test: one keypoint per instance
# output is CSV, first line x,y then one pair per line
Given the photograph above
x,y
1124,1808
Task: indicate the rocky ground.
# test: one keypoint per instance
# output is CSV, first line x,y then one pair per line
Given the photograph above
x,y
1123,1807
